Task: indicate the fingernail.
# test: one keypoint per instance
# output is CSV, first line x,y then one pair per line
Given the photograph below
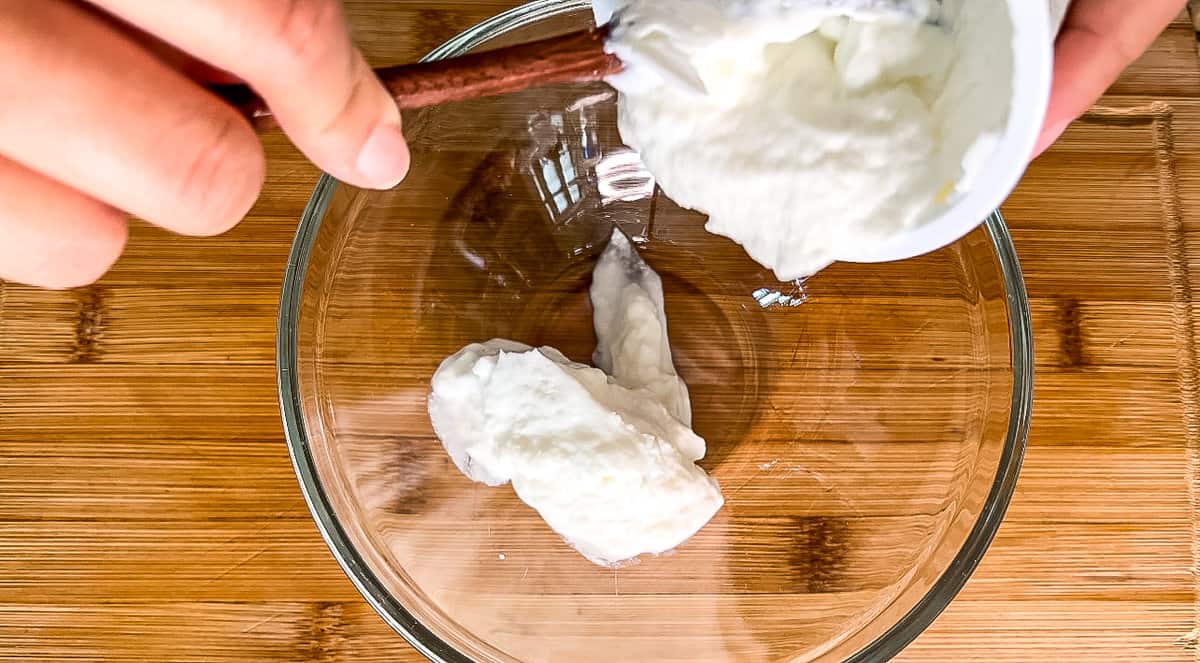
x,y
383,161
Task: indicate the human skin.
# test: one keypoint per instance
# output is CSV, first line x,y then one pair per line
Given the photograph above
x,y
1098,40
107,114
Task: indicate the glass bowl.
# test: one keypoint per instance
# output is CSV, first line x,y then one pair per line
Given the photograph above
x,y
866,426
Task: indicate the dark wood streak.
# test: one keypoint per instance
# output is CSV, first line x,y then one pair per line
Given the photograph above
x,y
1110,118
323,638
91,307
819,555
1069,328
392,471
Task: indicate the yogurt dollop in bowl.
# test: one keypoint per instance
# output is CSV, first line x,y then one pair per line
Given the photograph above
x,y
540,413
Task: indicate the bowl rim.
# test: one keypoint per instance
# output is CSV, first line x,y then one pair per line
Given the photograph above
x,y
887,645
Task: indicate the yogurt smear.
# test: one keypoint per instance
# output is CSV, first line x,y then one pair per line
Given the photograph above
x,y
814,135
606,457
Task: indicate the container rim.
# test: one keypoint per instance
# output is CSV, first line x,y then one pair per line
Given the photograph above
x,y
890,643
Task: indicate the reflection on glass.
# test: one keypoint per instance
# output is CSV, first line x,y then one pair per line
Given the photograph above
x,y
767,298
566,151
621,175
585,188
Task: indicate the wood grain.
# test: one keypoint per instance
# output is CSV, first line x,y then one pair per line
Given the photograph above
x,y
148,509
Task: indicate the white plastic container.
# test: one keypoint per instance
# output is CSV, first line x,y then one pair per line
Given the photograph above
x,y
1033,49
1035,24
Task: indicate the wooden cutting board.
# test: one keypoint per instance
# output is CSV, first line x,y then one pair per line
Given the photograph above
x,y
148,509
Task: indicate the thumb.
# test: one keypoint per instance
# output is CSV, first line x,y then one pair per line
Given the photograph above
x,y
1098,40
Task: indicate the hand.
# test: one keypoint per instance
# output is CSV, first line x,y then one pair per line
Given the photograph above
x,y
1098,40
105,114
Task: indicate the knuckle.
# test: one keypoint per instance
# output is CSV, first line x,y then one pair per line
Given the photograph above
x,y
301,33
356,95
220,177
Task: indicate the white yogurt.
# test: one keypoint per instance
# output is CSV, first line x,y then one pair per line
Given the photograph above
x,y
608,460
816,136
631,328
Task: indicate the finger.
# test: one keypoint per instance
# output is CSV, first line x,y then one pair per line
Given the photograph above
x,y
1098,40
191,67
299,57
104,116
54,236
194,69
